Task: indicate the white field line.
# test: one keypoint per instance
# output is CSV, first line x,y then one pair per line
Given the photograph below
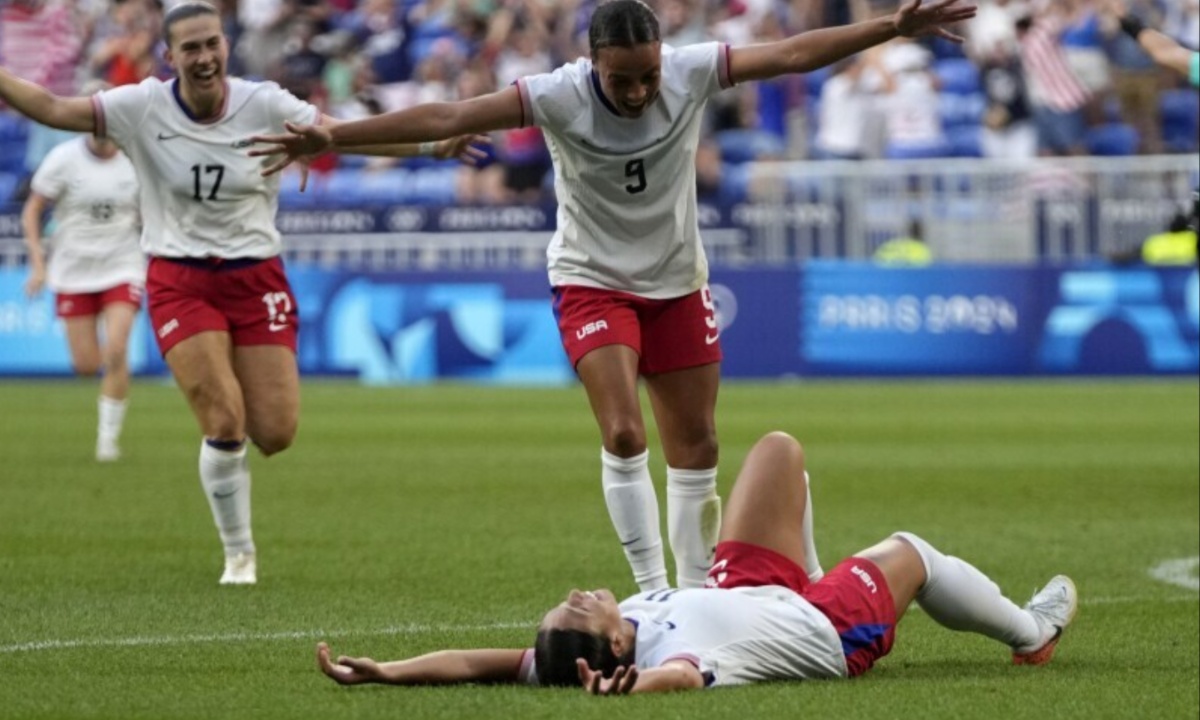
x,y
1180,572
413,629
143,641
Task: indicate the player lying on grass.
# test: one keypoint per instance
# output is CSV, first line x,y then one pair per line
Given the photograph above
x,y
768,613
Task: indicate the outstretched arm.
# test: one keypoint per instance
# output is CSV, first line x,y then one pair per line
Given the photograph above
x,y
431,122
815,49
438,668
39,104
1160,47
671,675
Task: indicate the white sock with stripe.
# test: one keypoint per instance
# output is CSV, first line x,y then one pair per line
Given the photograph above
x,y
225,479
633,508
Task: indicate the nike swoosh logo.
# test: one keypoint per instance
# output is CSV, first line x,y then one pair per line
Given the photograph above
x,y
670,625
164,136
222,496
710,339
639,537
273,327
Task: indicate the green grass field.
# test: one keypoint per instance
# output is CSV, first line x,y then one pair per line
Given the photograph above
x,y
410,519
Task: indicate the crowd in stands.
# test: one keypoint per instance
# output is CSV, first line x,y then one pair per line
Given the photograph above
x,y
1035,77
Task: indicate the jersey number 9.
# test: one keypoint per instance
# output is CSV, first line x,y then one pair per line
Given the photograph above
x,y
635,169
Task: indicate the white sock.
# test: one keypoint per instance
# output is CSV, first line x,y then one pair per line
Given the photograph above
x,y
225,478
960,597
112,417
812,565
633,507
693,523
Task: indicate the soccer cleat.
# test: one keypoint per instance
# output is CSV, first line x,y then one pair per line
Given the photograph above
x,y
240,569
107,450
1053,607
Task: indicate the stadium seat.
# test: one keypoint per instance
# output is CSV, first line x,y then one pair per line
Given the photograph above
x,y
8,185
815,80
943,49
13,127
957,75
434,185
1180,120
904,151
964,141
735,183
1112,139
12,155
738,146
957,110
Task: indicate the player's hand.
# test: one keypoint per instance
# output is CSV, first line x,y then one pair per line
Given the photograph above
x,y
347,670
621,683
915,20
300,141
463,147
36,281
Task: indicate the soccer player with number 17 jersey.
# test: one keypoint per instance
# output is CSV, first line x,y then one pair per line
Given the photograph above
x,y
219,301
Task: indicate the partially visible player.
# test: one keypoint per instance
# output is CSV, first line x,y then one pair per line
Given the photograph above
x,y
95,266
220,305
759,619
1160,47
627,268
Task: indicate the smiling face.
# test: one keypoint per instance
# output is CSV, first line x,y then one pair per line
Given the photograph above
x,y
199,54
630,76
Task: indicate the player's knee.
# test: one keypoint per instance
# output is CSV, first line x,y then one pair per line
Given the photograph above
x,y
274,441
625,439
115,360
781,449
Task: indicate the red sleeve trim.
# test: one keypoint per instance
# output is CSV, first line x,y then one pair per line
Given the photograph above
x,y
526,106
724,76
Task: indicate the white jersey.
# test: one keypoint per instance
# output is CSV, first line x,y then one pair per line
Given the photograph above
x,y
736,636
626,187
202,194
94,245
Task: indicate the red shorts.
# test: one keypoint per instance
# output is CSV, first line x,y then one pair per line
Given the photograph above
x,y
249,299
854,596
667,335
67,305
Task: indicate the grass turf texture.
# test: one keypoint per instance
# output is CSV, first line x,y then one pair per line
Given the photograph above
x,y
406,520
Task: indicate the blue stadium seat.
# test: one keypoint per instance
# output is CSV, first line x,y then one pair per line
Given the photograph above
x,y
943,49
1112,139
815,80
13,127
1180,120
435,185
905,151
739,146
12,155
290,196
957,110
964,141
957,75
8,185
735,183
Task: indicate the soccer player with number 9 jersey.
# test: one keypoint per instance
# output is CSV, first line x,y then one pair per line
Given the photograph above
x,y
626,265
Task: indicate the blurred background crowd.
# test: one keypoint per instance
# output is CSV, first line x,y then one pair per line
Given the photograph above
x,y
1035,77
